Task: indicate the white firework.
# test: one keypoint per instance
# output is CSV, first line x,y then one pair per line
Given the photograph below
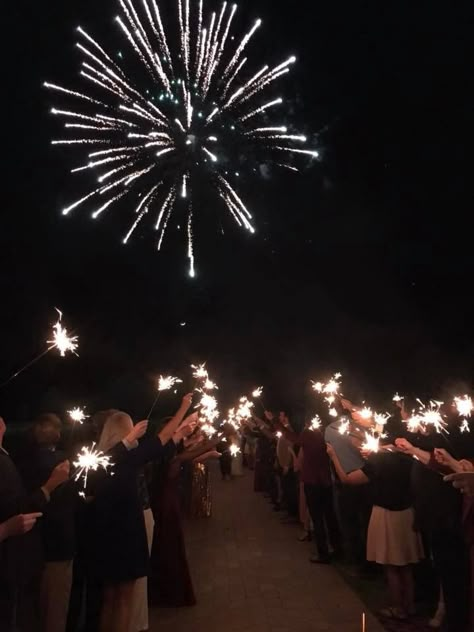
x,y
172,112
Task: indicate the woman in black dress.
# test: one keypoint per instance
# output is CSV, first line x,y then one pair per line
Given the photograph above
x,y
120,549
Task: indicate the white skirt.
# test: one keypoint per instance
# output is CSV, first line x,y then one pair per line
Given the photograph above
x,y
391,538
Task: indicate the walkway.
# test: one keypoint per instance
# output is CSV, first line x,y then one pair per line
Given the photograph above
x,y
251,575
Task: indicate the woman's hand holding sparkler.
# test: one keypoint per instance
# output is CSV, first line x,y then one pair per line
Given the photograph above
x,y
463,481
138,431
59,475
444,458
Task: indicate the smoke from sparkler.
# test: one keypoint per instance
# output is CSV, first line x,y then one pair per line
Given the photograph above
x,y
183,114
61,340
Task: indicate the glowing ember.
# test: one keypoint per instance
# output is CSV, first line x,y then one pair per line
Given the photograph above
x,y
90,460
61,340
464,406
234,450
344,427
371,443
77,414
167,383
315,423
200,372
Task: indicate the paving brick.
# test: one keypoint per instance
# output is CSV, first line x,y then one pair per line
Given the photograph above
x,y
252,575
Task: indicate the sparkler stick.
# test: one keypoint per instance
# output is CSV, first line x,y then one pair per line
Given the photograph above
x,y
61,341
164,384
363,622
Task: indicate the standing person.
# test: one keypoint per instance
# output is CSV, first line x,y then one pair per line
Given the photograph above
x,y
21,557
354,502
391,540
170,580
120,551
438,513
316,477
58,525
286,472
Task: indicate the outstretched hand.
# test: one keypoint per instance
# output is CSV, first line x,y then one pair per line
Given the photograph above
x,y
138,431
463,481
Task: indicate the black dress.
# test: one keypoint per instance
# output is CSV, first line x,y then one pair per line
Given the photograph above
x,y
119,543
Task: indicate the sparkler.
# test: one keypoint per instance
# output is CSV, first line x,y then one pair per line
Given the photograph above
x,y
371,443
78,415
61,340
164,384
89,460
257,392
151,132
234,450
398,398
464,406
167,383
315,423
344,427
427,416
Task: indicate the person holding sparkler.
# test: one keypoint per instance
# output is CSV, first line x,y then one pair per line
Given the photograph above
x,y
316,476
391,540
170,583
120,547
438,511
20,557
40,456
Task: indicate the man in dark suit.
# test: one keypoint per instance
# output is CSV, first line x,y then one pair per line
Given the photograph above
x,y
21,557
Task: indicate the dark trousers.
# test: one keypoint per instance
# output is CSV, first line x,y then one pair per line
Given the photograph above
x,y
322,512
289,485
225,463
355,506
451,560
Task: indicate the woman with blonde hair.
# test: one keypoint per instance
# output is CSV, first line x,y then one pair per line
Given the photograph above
x,y
120,546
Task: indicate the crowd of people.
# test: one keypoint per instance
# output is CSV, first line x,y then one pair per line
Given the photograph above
x,y
87,555
91,554
406,506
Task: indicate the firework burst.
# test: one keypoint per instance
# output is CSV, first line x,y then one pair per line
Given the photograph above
x,y
173,112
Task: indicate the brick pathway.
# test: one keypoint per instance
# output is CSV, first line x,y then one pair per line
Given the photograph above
x,y
251,575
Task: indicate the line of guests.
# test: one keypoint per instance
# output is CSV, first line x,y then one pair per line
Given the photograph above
x,y
87,558
399,507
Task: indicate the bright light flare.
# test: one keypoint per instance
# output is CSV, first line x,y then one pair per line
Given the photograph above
x,y
61,340
90,460
257,392
315,423
234,450
78,415
167,383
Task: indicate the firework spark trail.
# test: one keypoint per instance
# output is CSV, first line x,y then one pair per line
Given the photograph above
x,y
140,124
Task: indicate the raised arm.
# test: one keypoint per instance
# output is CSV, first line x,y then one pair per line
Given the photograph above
x,y
353,478
406,447
172,426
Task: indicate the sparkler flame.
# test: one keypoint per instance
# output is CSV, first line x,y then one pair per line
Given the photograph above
x,y
78,415
398,398
155,137
315,423
427,416
464,406
371,443
167,383
89,460
61,340
344,427
257,392
200,371
234,450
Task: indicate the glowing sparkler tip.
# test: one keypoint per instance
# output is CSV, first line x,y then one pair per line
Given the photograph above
x,y
257,392
61,340
77,415
167,383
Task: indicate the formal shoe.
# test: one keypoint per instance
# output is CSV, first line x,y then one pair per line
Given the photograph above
x,y
305,537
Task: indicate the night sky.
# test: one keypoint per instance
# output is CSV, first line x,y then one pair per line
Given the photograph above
x,y
362,263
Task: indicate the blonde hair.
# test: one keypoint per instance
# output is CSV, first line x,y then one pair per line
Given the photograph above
x,y
116,428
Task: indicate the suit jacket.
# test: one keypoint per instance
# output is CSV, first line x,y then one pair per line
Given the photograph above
x,y
20,557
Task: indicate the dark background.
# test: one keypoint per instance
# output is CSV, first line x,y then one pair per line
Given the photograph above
x,y
361,264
